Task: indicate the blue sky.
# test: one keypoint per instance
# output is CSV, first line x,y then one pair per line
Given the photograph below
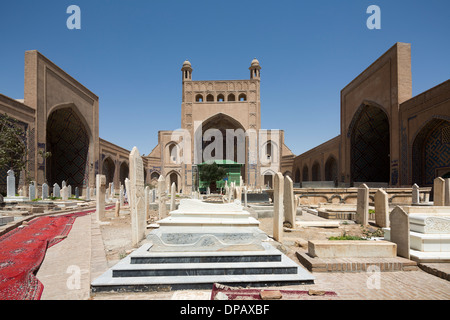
x,y
130,53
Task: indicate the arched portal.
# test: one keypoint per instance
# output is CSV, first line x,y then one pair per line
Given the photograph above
x,y
305,175
173,178
370,145
297,176
231,143
108,170
68,142
268,179
124,171
316,171
431,152
331,169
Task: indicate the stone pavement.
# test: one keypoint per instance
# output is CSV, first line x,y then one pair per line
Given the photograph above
x,y
70,265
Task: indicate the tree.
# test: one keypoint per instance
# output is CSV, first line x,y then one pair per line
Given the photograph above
x,y
212,173
13,147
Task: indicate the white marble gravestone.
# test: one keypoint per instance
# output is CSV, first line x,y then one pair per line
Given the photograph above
x,y
10,184
100,197
136,197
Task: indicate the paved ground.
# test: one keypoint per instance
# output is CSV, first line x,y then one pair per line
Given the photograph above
x,y
70,265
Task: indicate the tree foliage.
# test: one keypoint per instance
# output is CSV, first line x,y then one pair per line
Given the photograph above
x,y
13,147
212,172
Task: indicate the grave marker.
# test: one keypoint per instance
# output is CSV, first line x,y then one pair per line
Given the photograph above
x,y
399,221
362,205
278,209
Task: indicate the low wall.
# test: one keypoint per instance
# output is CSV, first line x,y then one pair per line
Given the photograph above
x,y
314,196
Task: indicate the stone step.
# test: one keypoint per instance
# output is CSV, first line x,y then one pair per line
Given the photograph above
x,y
182,270
424,257
203,269
143,256
208,221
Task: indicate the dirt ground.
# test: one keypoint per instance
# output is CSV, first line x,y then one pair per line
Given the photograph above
x,y
116,233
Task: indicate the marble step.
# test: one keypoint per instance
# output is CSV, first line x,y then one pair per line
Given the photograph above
x,y
182,270
207,221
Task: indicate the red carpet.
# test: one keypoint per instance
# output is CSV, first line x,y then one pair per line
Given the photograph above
x,y
23,250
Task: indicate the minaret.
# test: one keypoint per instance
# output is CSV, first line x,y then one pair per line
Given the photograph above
x,y
187,71
255,73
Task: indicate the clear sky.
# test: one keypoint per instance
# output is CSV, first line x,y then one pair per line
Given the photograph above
x,y
129,53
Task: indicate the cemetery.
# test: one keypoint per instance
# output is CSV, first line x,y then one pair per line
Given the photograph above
x,y
84,218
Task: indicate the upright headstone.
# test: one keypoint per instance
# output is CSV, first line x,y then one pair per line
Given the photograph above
x,y
32,191
56,191
399,221
415,194
288,199
447,192
121,195
245,196
208,191
172,196
381,209
278,208
113,191
69,191
88,194
153,199
439,192
65,193
147,201
44,191
117,209
10,184
136,197
100,196
161,198
362,205
77,192
63,184
127,191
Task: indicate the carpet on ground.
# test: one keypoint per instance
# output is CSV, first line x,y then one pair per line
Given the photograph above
x,y
22,252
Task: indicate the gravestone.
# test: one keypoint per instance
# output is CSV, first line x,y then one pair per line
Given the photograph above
x,y
172,196
399,221
32,191
56,191
69,191
117,209
44,191
77,192
245,196
362,205
382,208
10,184
161,198
63,184
65,193
127,190
136,197
288,201
113,191
278,209
100,181
153,198
88,194
121,195
147,200
415,194
439,192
